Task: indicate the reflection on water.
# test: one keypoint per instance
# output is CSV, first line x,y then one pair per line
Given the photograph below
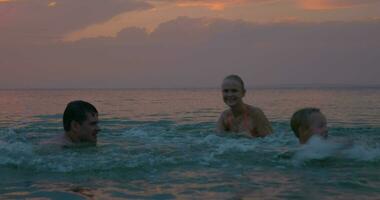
x,y
345,106
161,144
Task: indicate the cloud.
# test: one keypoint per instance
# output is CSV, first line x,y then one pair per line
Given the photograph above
x,y
215,5
210,5
199,52
24,20
164,10
52,4
332,4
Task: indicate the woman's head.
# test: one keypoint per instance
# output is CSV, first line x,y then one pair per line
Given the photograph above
x,y
237,78
233,90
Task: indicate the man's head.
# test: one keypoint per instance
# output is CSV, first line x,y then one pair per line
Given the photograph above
x,y
81,120
308,122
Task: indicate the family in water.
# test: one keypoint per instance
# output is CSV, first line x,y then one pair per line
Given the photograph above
x,y
80,119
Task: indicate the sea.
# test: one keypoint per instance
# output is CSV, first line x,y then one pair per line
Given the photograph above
x,y
162,144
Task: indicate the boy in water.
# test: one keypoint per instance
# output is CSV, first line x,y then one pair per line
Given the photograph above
x,y
308,122
240,117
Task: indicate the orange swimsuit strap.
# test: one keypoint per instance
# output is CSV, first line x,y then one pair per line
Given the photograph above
x,y
245,122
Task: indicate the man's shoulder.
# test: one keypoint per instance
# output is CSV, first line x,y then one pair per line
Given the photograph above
x,y
60,140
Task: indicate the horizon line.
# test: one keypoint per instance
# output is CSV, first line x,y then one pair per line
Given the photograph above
x,y
285,86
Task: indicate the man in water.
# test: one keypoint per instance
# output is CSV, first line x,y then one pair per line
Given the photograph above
x,y
80,121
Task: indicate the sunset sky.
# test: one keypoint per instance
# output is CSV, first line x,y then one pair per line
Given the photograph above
x,y
188,43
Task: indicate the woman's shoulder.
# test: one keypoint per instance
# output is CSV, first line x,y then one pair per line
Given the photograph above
x,y
253,110
226,112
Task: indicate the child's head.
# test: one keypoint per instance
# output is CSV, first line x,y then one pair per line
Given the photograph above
x,y
308,122
233,90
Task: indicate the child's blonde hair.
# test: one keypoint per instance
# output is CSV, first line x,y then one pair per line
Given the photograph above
x,y
301,118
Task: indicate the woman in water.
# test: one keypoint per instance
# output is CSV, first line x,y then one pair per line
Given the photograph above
x,y
241,117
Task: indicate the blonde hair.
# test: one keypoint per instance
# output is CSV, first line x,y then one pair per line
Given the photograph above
x,y
236,78
301,118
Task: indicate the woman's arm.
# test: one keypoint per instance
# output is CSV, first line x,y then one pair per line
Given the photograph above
x,y
220,125
262,124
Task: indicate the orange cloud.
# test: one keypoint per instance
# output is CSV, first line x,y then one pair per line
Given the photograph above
x,y
4,1
52,4
210,4
331,4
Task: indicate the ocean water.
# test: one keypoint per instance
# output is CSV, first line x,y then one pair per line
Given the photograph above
x,y
161,144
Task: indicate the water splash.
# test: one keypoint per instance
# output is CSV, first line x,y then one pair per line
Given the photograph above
x,y
320,149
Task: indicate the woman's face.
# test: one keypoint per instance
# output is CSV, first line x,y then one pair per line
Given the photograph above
x,y
232,92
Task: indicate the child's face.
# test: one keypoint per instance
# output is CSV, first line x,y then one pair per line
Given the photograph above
x,y
232,92
318,125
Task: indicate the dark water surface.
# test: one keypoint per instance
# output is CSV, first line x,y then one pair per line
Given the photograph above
x,y
161,144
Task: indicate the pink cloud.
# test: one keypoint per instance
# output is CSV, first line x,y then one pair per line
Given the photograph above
x,y
215,5
332,4
210,5
32,21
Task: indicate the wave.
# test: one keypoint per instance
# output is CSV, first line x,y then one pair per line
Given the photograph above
x,y
162,144
320,149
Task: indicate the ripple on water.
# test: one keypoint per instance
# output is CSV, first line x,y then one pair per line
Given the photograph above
x,y
159,154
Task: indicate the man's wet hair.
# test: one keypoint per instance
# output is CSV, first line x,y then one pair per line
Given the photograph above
x,y
77,111
236,78
302,118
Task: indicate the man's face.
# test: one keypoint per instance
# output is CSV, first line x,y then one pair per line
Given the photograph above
x,y
89,128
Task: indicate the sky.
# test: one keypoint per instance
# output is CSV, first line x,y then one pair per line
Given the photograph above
x,y
188,43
